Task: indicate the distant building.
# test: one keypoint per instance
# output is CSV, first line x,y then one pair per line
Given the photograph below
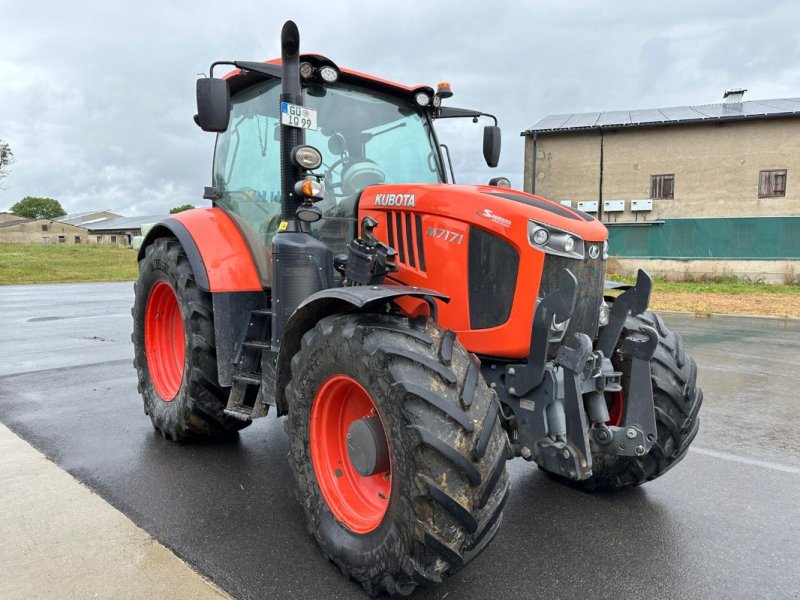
x,y
98,227
107,227
708,189
42,231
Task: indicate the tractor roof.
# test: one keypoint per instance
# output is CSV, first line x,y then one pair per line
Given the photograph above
x,y
249,73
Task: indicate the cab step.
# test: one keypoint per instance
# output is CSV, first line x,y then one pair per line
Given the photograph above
x,y
243,401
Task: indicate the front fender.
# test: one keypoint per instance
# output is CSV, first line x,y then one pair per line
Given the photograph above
x,y
328,302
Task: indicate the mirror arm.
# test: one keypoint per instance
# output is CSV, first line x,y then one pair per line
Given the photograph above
x,y
449,162
450,112
219,62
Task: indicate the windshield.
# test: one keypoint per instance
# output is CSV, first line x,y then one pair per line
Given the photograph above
x,y
365,138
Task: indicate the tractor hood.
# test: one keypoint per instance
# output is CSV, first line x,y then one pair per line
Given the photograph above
x,y
504,211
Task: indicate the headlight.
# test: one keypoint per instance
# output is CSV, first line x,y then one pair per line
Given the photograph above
x,y
306,70
540,236
307,157
422,99
553,240
328,74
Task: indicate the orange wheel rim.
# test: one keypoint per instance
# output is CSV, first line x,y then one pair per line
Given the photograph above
x,y
358,502
164,340
615,412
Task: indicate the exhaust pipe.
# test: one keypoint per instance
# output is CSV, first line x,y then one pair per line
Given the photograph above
x,y
301,264
292,93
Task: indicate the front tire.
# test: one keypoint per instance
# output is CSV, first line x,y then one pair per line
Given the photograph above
x,y
440,502
677,401
174,348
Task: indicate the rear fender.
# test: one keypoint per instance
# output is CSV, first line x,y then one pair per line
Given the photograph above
x,y
332,301
217,251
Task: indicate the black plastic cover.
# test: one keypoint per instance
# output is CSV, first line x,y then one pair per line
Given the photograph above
x,y
491,145
493,267
213,104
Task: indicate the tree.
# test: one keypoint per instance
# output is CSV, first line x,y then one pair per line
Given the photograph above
x,y
180,208
6,160
38,208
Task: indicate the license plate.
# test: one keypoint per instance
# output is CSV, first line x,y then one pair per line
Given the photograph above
x,y
298,116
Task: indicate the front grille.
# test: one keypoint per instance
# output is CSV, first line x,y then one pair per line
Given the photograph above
x,y
405,236
590,273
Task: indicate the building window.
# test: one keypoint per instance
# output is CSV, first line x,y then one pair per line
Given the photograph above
x,y
62,239
77,239
44,227
113,239
99,239
772,183
662,187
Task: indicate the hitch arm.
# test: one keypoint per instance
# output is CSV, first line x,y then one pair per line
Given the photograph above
x,y
522,378
633,301
571,458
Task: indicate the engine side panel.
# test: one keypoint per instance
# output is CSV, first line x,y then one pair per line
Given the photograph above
x,y
430,228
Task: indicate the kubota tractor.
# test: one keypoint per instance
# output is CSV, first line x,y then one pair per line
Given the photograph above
x,y
416,333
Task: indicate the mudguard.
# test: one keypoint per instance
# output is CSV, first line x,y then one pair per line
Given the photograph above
x,y
217,251
332,301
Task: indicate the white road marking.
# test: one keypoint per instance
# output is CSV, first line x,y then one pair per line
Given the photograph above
x,y
746,461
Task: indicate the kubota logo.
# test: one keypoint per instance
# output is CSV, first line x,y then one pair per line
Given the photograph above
x,y
395,200
495,218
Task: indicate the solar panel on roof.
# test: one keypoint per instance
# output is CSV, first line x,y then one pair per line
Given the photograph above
x,y
752,109
683,113
583,120
616,117
650,115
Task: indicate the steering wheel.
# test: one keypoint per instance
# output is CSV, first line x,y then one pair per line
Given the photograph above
x,y
334,188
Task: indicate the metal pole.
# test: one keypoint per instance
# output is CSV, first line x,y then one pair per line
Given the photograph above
x,y
600,191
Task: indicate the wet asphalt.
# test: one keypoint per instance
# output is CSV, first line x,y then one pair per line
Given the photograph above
x,y
725,523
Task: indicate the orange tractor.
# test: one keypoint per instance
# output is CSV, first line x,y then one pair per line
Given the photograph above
x,y
417,334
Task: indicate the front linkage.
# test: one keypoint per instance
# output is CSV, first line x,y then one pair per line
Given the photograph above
x,y
554,405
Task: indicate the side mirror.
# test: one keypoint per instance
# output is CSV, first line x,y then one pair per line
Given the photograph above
x,y
491,145
213,104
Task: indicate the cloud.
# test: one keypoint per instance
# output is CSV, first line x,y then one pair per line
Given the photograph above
x,y
97,98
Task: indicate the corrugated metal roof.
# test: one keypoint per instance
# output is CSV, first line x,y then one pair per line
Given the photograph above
x,y
76,218
14,222
123,223
675,115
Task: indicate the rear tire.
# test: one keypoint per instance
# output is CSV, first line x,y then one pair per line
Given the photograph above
x,y
177,364
677,401
447,479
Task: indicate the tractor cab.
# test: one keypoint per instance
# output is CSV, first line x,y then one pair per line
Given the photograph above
x,y
365,137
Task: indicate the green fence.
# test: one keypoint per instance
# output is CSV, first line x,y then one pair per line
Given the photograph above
x,y
743,238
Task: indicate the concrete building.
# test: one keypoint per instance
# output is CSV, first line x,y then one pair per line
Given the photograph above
x,y
97,227
696,190
42,231
107,227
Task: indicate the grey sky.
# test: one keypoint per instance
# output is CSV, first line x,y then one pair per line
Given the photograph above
x,y
97,98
